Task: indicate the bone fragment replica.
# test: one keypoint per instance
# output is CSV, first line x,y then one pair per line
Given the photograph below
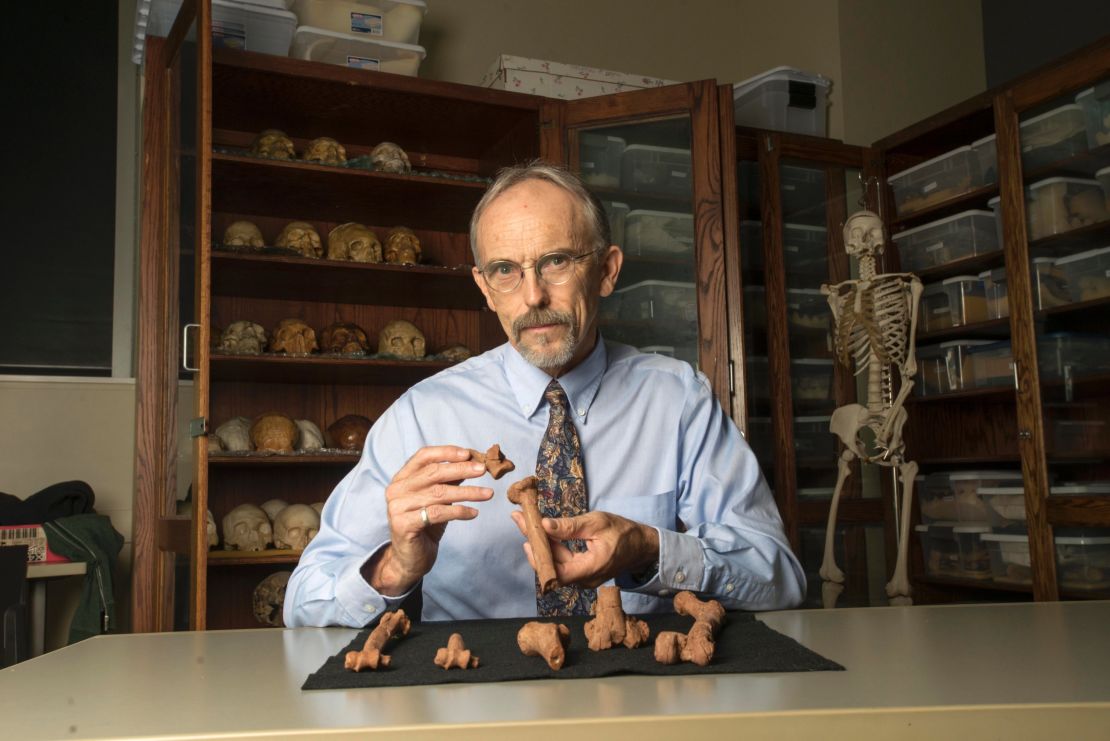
x,y
295,527
875,322
325,150
354,242
309,436
293,336
272,506
546,640
246,528
392,624
275,432
610,626
344,338
402,247
274,144
456,655
243,338
402,339
455,353
235,434
269,597
525,493
301,237
243,234
348,432
185,509
388,157
696,646
494,460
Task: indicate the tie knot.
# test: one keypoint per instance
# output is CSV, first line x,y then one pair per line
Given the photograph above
x,y
555,395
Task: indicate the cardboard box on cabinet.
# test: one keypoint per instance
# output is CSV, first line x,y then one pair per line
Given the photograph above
x,y
558,80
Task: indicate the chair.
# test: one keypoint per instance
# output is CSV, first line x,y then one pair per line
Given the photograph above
x,y
13,605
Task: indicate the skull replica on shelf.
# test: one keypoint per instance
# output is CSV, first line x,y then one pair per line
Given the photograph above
x,y
247,528
272,506
301,237
348,432
185,509
319,507
274,431
455,353
243,234
388,157
345,338
243,338
269,599
402,339
402,247
295,526
235,434
274,144
354,242
325,150
310,437
293,336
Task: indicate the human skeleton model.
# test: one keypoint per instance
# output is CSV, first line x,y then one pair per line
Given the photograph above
x,y
875,321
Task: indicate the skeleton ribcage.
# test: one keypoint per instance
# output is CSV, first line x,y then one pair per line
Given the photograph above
x,y
874,320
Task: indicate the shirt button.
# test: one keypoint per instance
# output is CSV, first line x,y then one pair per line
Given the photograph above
x,y
664,592
368,607
679,577
729,587
581,412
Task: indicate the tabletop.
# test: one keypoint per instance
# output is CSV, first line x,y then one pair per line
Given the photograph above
x,y
1003,670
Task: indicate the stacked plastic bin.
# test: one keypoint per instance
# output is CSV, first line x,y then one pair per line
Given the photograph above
x,y
378,35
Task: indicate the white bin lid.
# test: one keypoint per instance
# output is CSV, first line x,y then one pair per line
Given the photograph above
x,y
657,348
926,163
1103,540
1053,181
959,279
1084,94
307,38
977,475
1081,490
742,88
653,148
980,142
641,213
994,201
801,291
660,283
808,228
810,420
1103,171
1083,255
961,343
972,527
945,220
816,491
1068,108
1005,538
812,361
1001,491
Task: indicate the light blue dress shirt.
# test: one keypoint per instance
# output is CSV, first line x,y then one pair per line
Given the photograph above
x,y
658,449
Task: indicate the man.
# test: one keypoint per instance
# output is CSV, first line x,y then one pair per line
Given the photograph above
x,y
674,495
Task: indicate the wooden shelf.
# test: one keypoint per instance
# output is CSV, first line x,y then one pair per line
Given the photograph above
x,y
1078,511
992,329
252,558
1082,165
988,584
289,189
973,199
319,370
991,393
972,265
1085,238
1082,316
305,279
636,200
263,460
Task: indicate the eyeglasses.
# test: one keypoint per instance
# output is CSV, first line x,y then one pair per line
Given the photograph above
x,y
554,269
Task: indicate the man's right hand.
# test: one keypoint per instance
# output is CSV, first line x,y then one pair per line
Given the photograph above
x,y
422,498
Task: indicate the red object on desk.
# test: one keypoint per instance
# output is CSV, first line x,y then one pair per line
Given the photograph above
x,y
34,537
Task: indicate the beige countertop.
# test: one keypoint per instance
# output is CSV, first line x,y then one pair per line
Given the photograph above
x,y
987,671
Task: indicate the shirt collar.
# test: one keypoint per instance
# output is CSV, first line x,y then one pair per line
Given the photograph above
x,y
581,383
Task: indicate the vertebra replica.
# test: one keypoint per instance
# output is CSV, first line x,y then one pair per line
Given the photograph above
x,y
876,319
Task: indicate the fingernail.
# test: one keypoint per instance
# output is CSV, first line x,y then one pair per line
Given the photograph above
x,y
476,467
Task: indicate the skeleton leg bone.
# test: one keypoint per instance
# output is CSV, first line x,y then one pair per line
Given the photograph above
x,y
829,571
898,588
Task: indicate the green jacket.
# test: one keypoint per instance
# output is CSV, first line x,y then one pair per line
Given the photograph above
x,y
92,539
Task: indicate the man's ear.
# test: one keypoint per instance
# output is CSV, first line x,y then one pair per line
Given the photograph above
x,y
611,263
477,275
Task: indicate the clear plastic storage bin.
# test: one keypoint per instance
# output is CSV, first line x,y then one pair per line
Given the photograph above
x,y
813,443
1009,554
953,302
816,492
998,297
946,367
1083,561
658,233
805,254
811,380
1050,285
1058,205
986,157
616,212
810,323
952,238
1005,503
782,99
975,558
803,195
1095,103
599,159
1065,355
1053,136
939,549
389,20
659,299
992,364
235,25
357,51
947,176
960,495
1086,274
659,170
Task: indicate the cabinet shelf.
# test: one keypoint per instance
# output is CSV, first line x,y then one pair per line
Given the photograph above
x,y
992,329
990,393
305,279
638,200
973,199
972,265
1077,240
320,370
1081,316
1082,165
955,581
252,558
263,460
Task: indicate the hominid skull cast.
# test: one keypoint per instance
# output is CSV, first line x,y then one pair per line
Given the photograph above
x,y
293,336
345,338
269,599
348,432
354,242
235,434
863,234
325,150
274,431
243,338
246,528
295,526
388,157
309,437
402,247
402,339
274,144
302,237
243,234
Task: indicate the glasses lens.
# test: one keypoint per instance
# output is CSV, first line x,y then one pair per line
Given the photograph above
x,y
555,268
503,275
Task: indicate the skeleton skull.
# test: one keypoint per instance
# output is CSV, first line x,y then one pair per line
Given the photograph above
x,y
349,432
402,339
269,598
455,353
319,507
295,526
273,144
344,337
293,336
402,247
388,157
354,242
310,437
302,237
274,431
246,528
243,234
863,234
243,338
272,506
235,434
326,150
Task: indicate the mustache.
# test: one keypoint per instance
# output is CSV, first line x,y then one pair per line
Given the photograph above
x,y
538,317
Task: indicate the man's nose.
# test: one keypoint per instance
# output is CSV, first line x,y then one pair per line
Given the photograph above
x,y
533,290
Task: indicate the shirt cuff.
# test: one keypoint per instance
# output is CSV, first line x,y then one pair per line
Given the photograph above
x,y
360,600
680,567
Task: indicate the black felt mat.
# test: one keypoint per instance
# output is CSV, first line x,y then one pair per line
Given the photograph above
x,y
744,645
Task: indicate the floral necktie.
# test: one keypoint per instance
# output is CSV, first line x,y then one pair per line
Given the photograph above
x,y
561,480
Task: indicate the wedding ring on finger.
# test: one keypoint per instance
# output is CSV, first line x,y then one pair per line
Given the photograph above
x,y
424,516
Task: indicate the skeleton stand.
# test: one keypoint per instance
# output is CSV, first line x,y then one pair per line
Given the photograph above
x,y
875,322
